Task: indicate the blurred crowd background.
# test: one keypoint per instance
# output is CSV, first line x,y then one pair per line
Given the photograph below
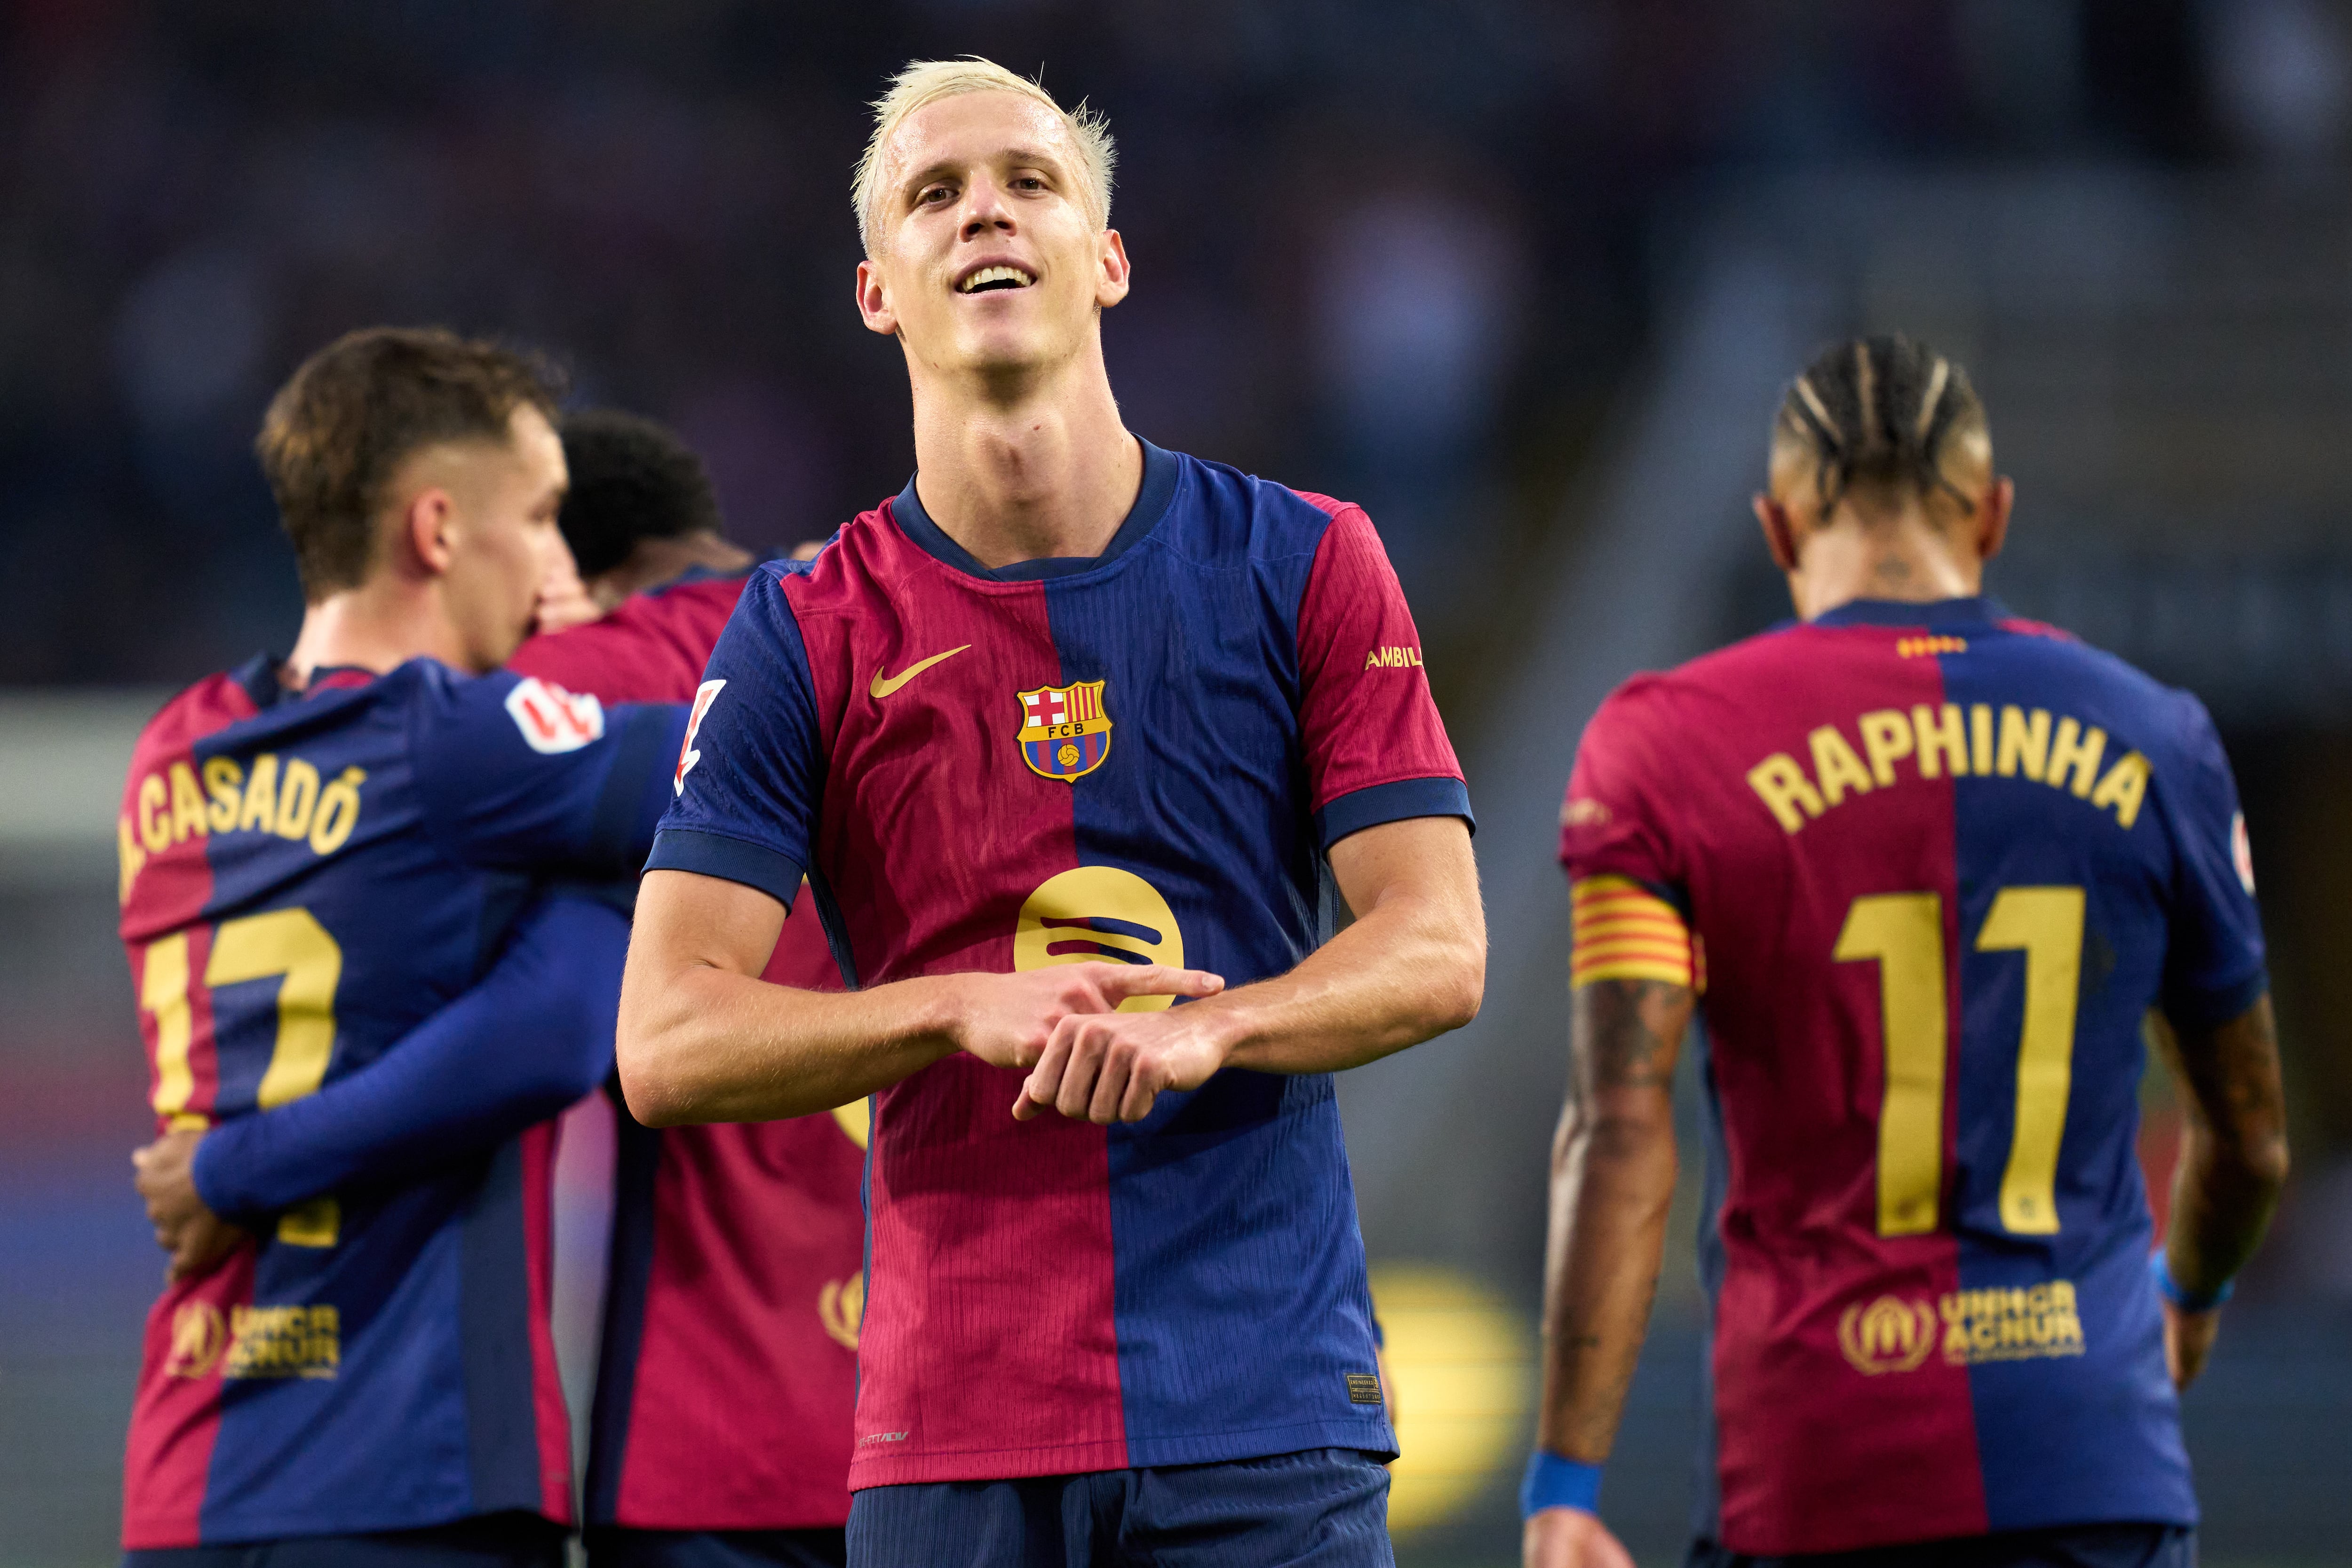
x,y
1524,276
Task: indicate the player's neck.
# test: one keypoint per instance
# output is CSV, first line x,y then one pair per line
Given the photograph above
x,y
1905,562
380,626
1032,471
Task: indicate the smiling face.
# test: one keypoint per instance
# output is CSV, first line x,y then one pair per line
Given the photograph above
x,y
988,258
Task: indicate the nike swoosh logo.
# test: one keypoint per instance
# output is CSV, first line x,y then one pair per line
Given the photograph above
x,y
885,684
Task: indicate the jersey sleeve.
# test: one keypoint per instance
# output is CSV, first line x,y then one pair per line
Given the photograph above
x,y
2214,966
1376,750
519,774
747,785
531,1037
1627,906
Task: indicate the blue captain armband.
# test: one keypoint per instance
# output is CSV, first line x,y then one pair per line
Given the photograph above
x,y
1553,1481
2172,1290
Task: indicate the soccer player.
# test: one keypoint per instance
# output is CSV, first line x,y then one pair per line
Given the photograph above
x,y
720,1434
318,855
1927,868
1070,729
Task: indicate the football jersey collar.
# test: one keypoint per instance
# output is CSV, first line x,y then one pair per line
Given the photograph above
x,y
1160,471
1981,610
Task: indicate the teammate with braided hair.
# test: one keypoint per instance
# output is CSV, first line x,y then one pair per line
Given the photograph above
x,y
1924,869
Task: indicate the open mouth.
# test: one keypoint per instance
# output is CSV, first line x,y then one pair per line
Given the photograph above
x,y
989,278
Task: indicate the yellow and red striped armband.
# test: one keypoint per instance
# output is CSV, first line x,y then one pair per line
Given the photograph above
x,y
1623,931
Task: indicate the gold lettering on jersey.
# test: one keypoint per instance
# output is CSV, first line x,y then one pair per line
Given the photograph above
x,y
841,1307
283,1342
1393,659
1894,1334
1928,647
1946,741
287,799
198,1337
2017,1324
1092,913
1890,1334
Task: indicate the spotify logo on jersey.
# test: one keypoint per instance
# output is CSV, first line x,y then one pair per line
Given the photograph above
x,y
1098,914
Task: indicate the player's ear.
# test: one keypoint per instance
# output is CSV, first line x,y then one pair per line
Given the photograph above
x,y
426,528
1992,524
1112,270
1780,532
873,301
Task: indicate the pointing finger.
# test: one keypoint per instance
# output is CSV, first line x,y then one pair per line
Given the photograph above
x,y
1159,980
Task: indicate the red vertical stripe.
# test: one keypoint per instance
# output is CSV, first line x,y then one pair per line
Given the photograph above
x,y
975,1361
547,1381
176,1415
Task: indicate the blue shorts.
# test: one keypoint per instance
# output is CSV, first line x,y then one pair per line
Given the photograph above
x,y
1326,1508
2066,1546
492,1540
610,1546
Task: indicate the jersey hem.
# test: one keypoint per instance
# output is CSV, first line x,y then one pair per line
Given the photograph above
x,y
1808,1547
730,860
297,1526
1439,796
1079,1458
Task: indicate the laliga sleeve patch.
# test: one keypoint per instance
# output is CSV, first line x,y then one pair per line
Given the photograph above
x,y
554,720
2242,851
704,695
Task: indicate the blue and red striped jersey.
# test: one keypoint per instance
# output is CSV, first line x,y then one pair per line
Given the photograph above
x,y
1932,866
1232,686
306,877
729,1363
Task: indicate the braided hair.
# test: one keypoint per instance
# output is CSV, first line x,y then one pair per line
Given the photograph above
x,y
1881,410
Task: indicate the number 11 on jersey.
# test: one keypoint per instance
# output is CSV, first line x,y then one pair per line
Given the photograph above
x,y
1903,932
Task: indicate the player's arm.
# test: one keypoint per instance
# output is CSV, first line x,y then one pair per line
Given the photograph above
x,y
704,1039
1413,965
530,1037
2233,1165
1612,1179
2224,1047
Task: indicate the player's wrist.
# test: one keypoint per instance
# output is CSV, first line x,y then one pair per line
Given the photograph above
x,y
2183,1298
1555,1480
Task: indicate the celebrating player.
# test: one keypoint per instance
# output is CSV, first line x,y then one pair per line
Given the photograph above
x,y
1069,729
316,855
721,1430
1928,868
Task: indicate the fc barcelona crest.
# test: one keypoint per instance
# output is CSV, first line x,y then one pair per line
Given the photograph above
x,y
1063,732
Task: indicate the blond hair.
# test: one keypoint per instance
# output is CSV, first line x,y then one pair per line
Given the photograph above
x,y
926,81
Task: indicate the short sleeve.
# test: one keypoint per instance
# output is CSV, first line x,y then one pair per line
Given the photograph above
x,y
2214,966
1375,747
746,786
1629,918
519,774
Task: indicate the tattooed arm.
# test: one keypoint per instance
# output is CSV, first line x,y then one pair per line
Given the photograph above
x,y
1613,1176
2234,1161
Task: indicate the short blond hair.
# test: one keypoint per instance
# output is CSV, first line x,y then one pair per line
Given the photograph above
x,y
926,81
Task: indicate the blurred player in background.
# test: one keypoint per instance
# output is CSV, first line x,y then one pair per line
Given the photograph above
x,y
318,855
1071,722
1928,868
722,1428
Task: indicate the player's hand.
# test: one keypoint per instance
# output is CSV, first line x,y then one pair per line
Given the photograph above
x,y
195,1236
1108,1067
1006,1020
2188,1341
1569,1537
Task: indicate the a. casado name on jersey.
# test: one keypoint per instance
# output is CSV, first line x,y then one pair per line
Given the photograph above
x,y
2008,743
281,796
